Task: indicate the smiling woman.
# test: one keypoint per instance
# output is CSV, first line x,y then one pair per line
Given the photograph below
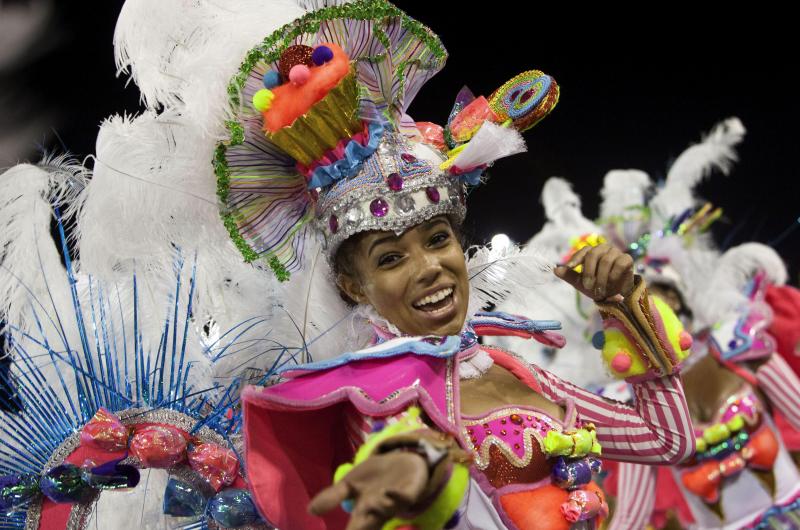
x,y
380,437
417,280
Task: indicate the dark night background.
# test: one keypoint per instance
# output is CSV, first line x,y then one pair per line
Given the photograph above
x,y
637,88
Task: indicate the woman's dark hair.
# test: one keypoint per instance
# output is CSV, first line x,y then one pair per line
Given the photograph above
x,y
343,259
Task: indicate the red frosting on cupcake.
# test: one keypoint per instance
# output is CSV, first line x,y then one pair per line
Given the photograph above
x,y
292,100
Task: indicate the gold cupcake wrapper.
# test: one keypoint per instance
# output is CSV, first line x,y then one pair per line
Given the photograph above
x,y
331,119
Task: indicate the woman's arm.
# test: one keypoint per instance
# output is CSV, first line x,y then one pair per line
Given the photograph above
x,y
657,429
781,385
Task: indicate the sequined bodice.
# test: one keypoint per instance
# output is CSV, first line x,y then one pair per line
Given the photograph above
x,y
508,444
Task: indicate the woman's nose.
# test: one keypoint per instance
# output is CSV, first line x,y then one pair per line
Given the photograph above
x,y
428,266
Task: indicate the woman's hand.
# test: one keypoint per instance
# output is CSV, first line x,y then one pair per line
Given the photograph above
x,y
607,274
382,487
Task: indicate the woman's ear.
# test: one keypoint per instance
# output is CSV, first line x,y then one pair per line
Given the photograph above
x,y
351,287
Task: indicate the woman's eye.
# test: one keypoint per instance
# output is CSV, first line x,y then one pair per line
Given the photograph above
x,y
439,238
388,259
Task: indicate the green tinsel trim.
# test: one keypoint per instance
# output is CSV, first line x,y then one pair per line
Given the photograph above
x,y
280,271
269,51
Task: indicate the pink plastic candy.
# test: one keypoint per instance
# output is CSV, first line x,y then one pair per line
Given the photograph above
x,y
105,431
158,446
217,464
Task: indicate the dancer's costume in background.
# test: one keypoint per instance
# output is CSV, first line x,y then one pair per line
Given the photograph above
x,y
742,475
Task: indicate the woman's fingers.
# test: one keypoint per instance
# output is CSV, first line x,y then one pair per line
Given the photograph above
x,y
590,262
620,277
329,498
607,272
604,266
577,258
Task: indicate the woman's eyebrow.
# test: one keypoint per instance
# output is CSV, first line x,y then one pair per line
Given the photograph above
x,y
379,241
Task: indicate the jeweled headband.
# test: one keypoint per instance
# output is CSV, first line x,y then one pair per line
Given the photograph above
x,y
321,142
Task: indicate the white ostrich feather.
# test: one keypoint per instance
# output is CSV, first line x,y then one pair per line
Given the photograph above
x,y
715,151
498,275
152,199
30,264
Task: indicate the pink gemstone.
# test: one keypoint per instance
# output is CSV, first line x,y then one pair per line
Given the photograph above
x,y
395,182
433,194
333,224
379,208
408,157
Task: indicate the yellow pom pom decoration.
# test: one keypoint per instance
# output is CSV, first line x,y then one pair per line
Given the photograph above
x,y
262,100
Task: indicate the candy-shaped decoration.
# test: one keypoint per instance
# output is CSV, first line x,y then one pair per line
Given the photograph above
x,y
571,474
271,79
573,444
17,491
294,55
64,484
232,508
110,476
299,74
216,464
525,99
158,446
583,505
321,55
183,500
105,431
262,99
467,122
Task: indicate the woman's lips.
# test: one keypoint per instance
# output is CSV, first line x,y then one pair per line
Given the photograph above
x,y
443,310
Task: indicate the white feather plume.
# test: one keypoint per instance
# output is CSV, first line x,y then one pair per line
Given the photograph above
x,y
182,53
152,198
623,189
724,292
491,142
498,275
565,220
715,151
31,272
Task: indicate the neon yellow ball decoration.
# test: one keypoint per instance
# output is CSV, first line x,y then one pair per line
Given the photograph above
x,y
262,100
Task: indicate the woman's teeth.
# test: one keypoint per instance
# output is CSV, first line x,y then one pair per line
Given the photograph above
x,y
435,297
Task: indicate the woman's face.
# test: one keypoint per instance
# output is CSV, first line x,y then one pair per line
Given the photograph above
x,y
417,281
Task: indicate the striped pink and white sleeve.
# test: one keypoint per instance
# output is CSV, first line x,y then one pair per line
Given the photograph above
x,y
636,497
657,429
781,385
